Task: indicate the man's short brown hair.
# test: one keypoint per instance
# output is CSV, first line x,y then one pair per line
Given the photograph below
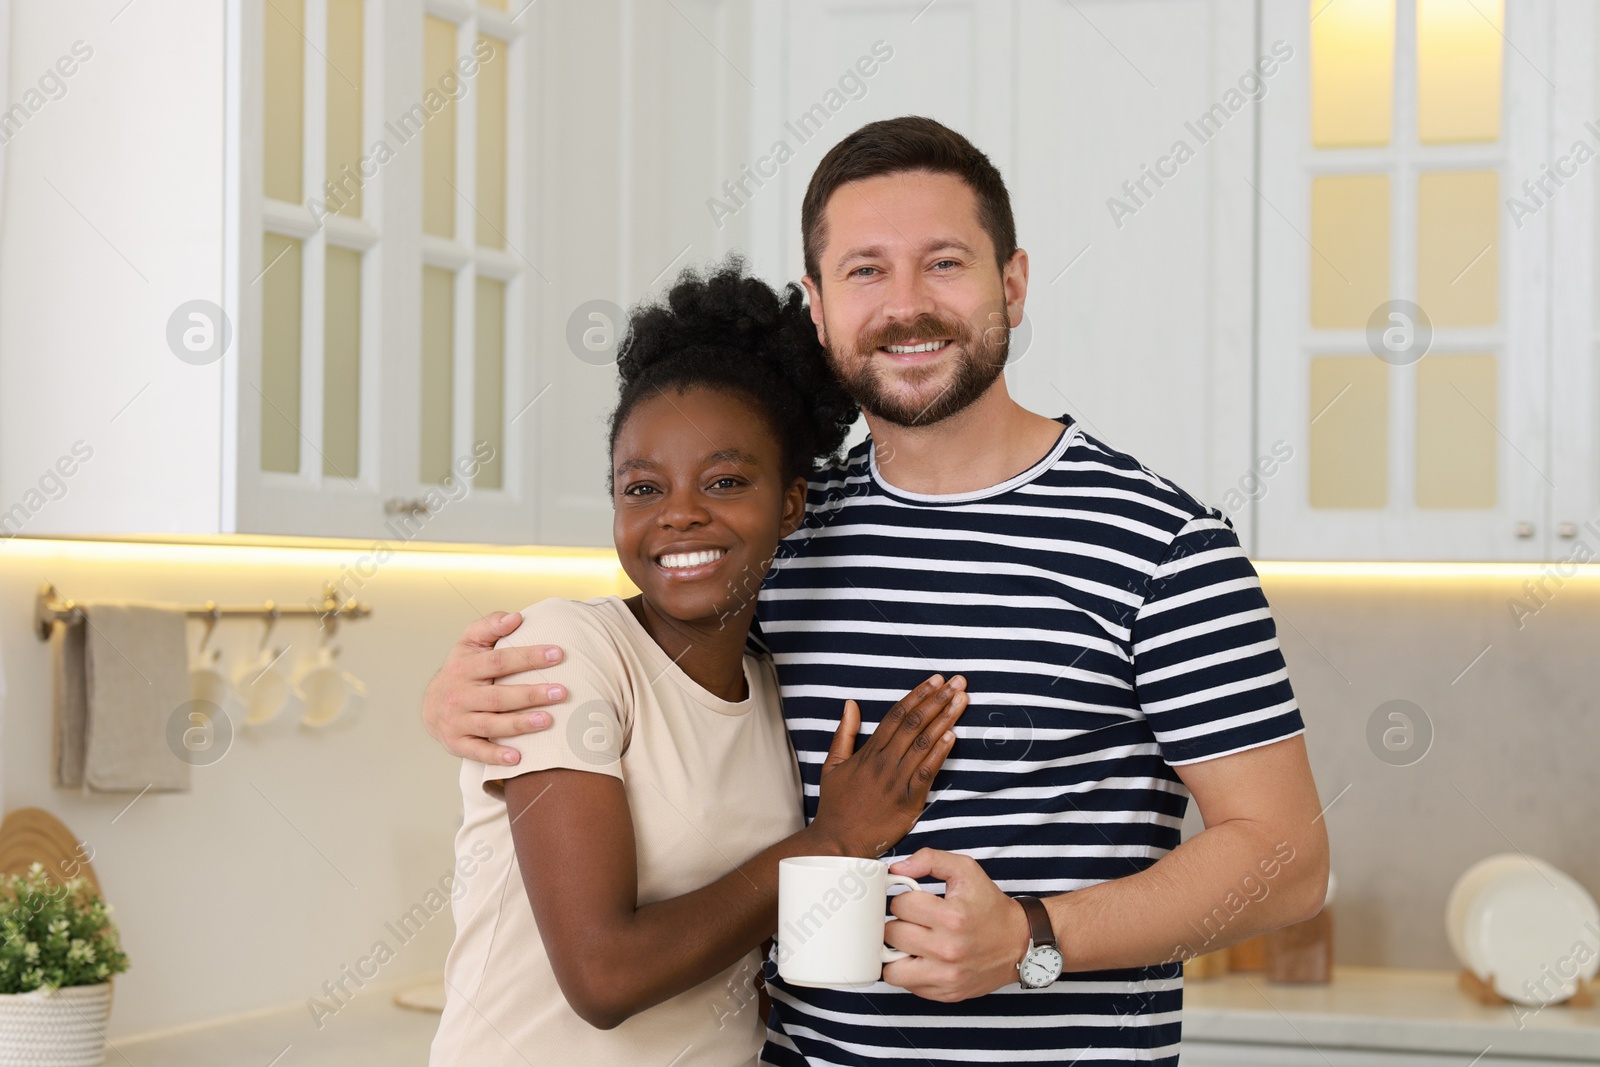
x,y
908,143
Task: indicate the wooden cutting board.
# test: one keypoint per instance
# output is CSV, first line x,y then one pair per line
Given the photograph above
x,y
33,835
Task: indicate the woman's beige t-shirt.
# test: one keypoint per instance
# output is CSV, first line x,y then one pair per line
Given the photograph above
x,y
710,783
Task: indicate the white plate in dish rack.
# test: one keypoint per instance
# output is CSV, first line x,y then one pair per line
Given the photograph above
x,y
1526,926
1472,880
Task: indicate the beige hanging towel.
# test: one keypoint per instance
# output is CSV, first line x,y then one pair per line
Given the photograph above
x,y
121,673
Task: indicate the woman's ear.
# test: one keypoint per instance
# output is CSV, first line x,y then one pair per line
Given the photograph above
x,y
794,507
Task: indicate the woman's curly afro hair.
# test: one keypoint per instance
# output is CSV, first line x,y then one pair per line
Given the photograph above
x,y
728,331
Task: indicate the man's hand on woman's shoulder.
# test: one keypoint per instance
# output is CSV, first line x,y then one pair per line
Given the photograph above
x,y
463,709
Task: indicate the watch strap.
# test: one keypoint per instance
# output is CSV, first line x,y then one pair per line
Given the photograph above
x,y
1039,927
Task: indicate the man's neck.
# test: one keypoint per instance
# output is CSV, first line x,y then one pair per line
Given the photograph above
x,y
982,445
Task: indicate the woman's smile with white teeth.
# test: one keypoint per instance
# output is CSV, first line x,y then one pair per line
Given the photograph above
x,y
676,560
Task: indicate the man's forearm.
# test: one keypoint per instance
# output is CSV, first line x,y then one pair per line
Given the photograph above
x,y
1224,885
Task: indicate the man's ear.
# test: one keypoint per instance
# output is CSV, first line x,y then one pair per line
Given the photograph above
x,y
1014,280
794,507
814,301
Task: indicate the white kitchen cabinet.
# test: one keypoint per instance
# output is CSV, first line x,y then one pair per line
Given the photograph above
x,y
102,428
1390,156
234,344
1171,305
609,158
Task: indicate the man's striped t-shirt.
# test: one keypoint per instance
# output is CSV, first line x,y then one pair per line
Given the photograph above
x,y
1110,628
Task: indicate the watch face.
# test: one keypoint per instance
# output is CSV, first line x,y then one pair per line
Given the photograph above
x,y
1042,967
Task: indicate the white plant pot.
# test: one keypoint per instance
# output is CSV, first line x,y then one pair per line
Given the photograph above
x,y
55,1028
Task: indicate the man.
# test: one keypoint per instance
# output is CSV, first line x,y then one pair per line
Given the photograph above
x,y
1119,653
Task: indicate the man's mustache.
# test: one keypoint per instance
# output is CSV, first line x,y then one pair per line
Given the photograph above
x,y
922,328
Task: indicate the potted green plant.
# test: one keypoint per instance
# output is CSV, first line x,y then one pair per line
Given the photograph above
x,y
58,951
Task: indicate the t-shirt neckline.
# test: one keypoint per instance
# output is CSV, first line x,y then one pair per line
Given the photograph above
x,y
667,669
1070,430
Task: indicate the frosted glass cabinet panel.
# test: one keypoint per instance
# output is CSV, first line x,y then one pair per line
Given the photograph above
x,y
341,364
283,35
1457,407
1352,72
435,422
346,76
1461,48
280,355
488,380
1349,421
491,132
1458,247
439,136
1350,248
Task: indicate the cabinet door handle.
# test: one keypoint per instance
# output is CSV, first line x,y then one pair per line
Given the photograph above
x,y
400,506
1525,529
1567,530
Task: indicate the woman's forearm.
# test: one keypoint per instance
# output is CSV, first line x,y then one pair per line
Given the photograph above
x,y
658,950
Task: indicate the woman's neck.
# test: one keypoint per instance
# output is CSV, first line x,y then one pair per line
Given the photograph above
x,y
711,654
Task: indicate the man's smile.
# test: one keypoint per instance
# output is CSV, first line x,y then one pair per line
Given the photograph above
x,y
916,351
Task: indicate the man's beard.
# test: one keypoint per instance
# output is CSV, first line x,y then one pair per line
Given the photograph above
x,y
980,358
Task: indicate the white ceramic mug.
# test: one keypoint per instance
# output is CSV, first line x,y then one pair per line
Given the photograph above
x,y
830,920
328,693
207,683
264,688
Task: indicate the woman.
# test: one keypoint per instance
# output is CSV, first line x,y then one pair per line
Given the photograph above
x,y
641,827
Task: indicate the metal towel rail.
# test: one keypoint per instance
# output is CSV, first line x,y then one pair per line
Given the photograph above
x,y
50,608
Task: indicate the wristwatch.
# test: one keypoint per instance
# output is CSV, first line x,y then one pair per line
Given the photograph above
x,y
1043,962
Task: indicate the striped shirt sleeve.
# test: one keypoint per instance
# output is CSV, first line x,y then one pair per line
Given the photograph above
x,y
1208,672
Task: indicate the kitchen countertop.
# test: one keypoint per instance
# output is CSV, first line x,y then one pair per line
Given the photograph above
x,y
369,1031
1363,1008
1382,1008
